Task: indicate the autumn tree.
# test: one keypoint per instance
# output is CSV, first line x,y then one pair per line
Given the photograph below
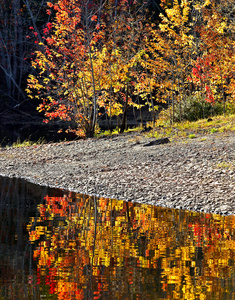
x,y
88,60
65,63
125,40
217,33
169,56
190,58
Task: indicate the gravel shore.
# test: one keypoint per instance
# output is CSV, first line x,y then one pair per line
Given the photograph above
x,y
194,174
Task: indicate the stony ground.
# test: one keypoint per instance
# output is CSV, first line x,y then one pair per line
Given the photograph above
x,y
195,174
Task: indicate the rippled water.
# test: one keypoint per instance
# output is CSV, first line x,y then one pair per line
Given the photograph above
x,y
56,244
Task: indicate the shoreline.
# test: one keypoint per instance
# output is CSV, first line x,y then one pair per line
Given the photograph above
x,y
193,174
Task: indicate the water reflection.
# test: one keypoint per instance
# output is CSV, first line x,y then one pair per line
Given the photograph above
x,y
81,247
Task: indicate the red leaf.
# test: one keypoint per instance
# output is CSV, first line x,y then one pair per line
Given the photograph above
x,y
94,18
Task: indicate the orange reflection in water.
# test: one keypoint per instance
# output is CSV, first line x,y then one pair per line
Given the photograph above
x,y
96,248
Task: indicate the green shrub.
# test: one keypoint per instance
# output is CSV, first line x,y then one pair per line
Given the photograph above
x,y
230,108
193,108
213,130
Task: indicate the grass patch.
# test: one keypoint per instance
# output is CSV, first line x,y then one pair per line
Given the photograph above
x,y
27,143
203,139
213,130
115,131
220,124
225,165
186,129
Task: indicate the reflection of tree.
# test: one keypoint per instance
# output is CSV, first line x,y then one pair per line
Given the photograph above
x,y
89,248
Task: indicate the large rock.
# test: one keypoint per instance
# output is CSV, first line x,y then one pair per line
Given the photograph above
x,y
157,142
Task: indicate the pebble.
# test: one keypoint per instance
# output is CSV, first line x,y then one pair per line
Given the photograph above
x,y
181,175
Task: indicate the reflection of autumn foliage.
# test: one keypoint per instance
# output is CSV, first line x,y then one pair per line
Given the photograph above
x,y
89,248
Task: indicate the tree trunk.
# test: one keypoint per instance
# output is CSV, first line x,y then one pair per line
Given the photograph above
x,y
124,118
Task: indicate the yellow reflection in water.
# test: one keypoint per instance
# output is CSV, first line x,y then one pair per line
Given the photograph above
x,y
89,248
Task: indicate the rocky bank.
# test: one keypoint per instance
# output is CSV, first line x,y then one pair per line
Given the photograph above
x,y
195,174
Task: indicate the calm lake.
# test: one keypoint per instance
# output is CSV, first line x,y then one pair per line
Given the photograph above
x,y
56,244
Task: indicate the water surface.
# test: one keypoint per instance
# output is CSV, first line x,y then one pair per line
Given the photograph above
x,y
57,244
